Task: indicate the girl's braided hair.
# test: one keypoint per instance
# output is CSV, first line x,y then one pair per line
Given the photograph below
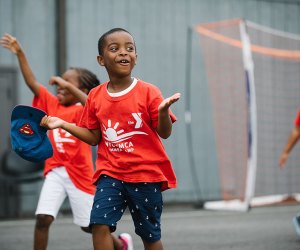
x,y
87,79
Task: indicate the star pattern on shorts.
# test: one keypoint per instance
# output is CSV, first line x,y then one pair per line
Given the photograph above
x,y
146,219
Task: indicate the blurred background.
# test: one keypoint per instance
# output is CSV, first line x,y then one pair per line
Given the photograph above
x,y
57,34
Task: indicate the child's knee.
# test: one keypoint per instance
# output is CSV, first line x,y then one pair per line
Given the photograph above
x,y
100,229
157,244
43,221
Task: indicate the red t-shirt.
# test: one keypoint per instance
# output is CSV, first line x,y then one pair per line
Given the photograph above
x,y
297,119
68,151
130,149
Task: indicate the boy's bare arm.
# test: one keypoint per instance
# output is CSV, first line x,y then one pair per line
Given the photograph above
x,y
11,43
164,127
91,137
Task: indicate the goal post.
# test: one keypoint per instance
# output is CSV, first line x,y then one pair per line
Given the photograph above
x,y
252,118
253,74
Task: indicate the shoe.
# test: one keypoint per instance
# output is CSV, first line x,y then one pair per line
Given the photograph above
x,y
127,241
296,222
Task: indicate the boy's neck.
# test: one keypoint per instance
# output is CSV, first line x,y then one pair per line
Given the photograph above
x,y
118,85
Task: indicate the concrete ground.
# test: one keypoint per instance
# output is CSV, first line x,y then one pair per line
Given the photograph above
x,y
183,228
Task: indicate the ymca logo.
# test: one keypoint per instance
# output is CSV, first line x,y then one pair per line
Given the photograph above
x,y
116,139
138,119
114,135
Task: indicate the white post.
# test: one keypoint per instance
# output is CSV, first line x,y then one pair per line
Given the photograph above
x,y
252,124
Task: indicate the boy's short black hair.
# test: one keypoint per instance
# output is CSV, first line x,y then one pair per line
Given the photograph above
x,y
101,40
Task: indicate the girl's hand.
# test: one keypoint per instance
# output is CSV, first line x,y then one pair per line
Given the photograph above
x,y
51,122
166,103
11,43
60,82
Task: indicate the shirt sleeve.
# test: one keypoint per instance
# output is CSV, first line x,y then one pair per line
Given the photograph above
x,y
44,99
297,119
89,117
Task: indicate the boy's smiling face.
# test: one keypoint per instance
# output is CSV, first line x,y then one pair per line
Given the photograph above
x,y
119,54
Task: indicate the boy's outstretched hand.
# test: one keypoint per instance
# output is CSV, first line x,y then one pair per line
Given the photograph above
x,y
11,43
166,103
164,127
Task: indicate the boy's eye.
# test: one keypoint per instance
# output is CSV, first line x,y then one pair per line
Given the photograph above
x,y
130,49
113,49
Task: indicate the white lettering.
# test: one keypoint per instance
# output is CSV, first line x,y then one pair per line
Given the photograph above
x,y
119,147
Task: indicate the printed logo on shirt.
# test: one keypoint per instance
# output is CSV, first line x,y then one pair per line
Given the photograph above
x,y
138,119
61,136
117,140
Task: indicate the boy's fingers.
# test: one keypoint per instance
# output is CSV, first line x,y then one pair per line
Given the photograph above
x,y
177,95
174,98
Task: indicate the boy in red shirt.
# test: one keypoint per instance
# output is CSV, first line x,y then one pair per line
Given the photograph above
x,y
69,171
125,117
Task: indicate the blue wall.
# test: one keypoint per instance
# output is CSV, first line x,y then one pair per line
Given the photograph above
x,y
160,30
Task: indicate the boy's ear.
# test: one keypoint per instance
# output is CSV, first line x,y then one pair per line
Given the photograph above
x,y
100,60
136,57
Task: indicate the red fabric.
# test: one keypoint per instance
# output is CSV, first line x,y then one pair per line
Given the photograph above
x,y
68,151
297,119
130,149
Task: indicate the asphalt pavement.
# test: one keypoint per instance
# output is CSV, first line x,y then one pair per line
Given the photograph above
x,y
183,228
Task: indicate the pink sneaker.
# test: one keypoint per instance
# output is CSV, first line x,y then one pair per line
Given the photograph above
x,y
127,240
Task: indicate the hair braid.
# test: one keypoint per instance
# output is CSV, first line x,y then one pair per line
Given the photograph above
x,y
86,78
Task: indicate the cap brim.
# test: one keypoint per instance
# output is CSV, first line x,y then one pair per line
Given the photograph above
x,y
28,113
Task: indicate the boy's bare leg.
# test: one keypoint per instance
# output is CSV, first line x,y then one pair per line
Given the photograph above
x,y
157,245
118,244
102,238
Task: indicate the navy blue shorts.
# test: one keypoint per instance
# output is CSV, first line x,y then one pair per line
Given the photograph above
x,y
144,201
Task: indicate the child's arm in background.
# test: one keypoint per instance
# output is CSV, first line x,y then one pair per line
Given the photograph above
x,y
11,43
56,80
293,139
